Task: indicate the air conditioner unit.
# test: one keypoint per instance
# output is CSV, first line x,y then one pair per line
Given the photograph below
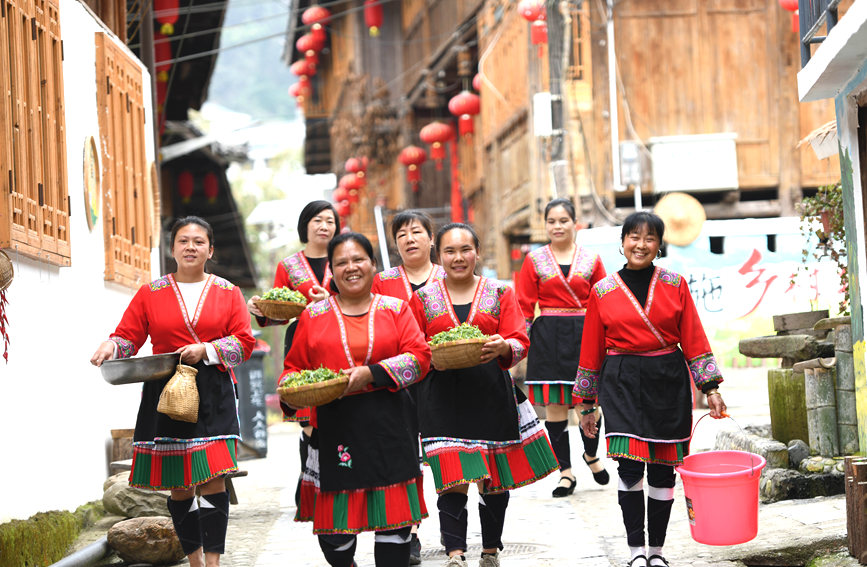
x,y
703,162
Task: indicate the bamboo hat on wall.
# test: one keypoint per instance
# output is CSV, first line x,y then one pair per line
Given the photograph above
x,y
683,216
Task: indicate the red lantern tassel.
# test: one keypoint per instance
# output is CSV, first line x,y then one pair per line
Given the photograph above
x,y
465,125
438,153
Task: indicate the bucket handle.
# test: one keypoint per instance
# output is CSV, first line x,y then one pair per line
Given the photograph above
x,y
752,460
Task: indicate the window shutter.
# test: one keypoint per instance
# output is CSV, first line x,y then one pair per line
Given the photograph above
x,y
127,203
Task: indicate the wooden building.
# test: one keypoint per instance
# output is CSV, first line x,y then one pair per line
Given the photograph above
x,y
691,95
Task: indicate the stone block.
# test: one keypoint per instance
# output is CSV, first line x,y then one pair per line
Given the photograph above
x,y
849,442
786,404
774,452
845,369
819,388
843,338
798,451
795,347
786,484
146,540
822,426
124,500
802,320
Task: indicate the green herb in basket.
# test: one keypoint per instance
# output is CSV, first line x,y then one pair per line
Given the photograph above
x,y
295,379
284,294
459,333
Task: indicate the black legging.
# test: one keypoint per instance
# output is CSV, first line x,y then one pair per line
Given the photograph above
x,y
632,501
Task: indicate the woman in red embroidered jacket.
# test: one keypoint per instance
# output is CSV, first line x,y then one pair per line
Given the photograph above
x,y
643,347
476,427
204,318
362,473
306,272
412,232
558,278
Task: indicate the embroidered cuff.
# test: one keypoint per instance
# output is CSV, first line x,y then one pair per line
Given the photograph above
x,y
528,324
403,370
586,383
518,351
229,350
703,369
125,348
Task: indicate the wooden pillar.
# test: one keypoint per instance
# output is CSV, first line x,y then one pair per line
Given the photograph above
x,y
856,507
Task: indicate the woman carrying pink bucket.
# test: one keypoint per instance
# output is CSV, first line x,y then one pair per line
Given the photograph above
x,y
642,348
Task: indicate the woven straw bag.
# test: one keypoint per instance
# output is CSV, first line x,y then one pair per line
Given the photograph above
x,y
317,394
280,310
458,354
6,271
180,397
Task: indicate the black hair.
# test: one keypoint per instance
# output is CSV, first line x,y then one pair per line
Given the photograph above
x,y
309,211
356,237
184,221
638,219
461,226
565,203
405,218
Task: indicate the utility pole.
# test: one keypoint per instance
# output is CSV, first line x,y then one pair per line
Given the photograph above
x,y
558,165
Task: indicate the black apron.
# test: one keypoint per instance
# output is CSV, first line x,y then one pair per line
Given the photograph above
x,y
555,348
218,414
649,397
376,431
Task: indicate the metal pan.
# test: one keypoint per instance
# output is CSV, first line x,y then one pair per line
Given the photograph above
x,y
140,369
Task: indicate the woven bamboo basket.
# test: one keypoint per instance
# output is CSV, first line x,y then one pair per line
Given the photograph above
x,y
180,396
6,271
280,310
317,394
457,354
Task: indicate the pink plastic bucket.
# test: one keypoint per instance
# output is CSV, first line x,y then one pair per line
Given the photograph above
x,y
722,495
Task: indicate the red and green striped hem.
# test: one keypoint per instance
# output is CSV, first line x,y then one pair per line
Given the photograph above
x,y
184,467
552,395
373,509
621,446
301,415
501,469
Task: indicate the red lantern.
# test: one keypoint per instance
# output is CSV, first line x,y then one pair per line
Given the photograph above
x,y
211,186
792,6
358,166
477,83
166,13
412,157
532,10
299,90
437,134
373,16
310,47
162,54
316,17
185,186
342,208
340,194
350,181
465,105
302,68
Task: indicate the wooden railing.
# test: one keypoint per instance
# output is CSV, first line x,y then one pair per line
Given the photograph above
x,y
815,16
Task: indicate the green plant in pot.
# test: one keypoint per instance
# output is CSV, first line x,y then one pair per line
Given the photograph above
x,y
822,216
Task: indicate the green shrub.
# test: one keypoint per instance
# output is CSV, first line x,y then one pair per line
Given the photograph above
x,y
44,538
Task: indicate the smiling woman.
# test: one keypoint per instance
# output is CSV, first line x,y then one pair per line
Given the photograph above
x,y
362,478
203,318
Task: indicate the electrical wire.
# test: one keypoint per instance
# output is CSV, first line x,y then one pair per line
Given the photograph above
x,y
198,33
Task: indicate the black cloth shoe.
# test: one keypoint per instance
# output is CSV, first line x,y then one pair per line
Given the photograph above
x,y
563,491
638,561
659,557
414,550
600,477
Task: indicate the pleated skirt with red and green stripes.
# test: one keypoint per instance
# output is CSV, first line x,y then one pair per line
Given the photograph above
x,y
500,466
372,509
181,464
551,393
624,447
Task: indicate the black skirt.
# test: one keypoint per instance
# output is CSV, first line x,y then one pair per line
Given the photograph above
x,y
555,348
647,397
218,414
477,403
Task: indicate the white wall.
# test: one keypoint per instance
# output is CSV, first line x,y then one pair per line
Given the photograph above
x,y
56,411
